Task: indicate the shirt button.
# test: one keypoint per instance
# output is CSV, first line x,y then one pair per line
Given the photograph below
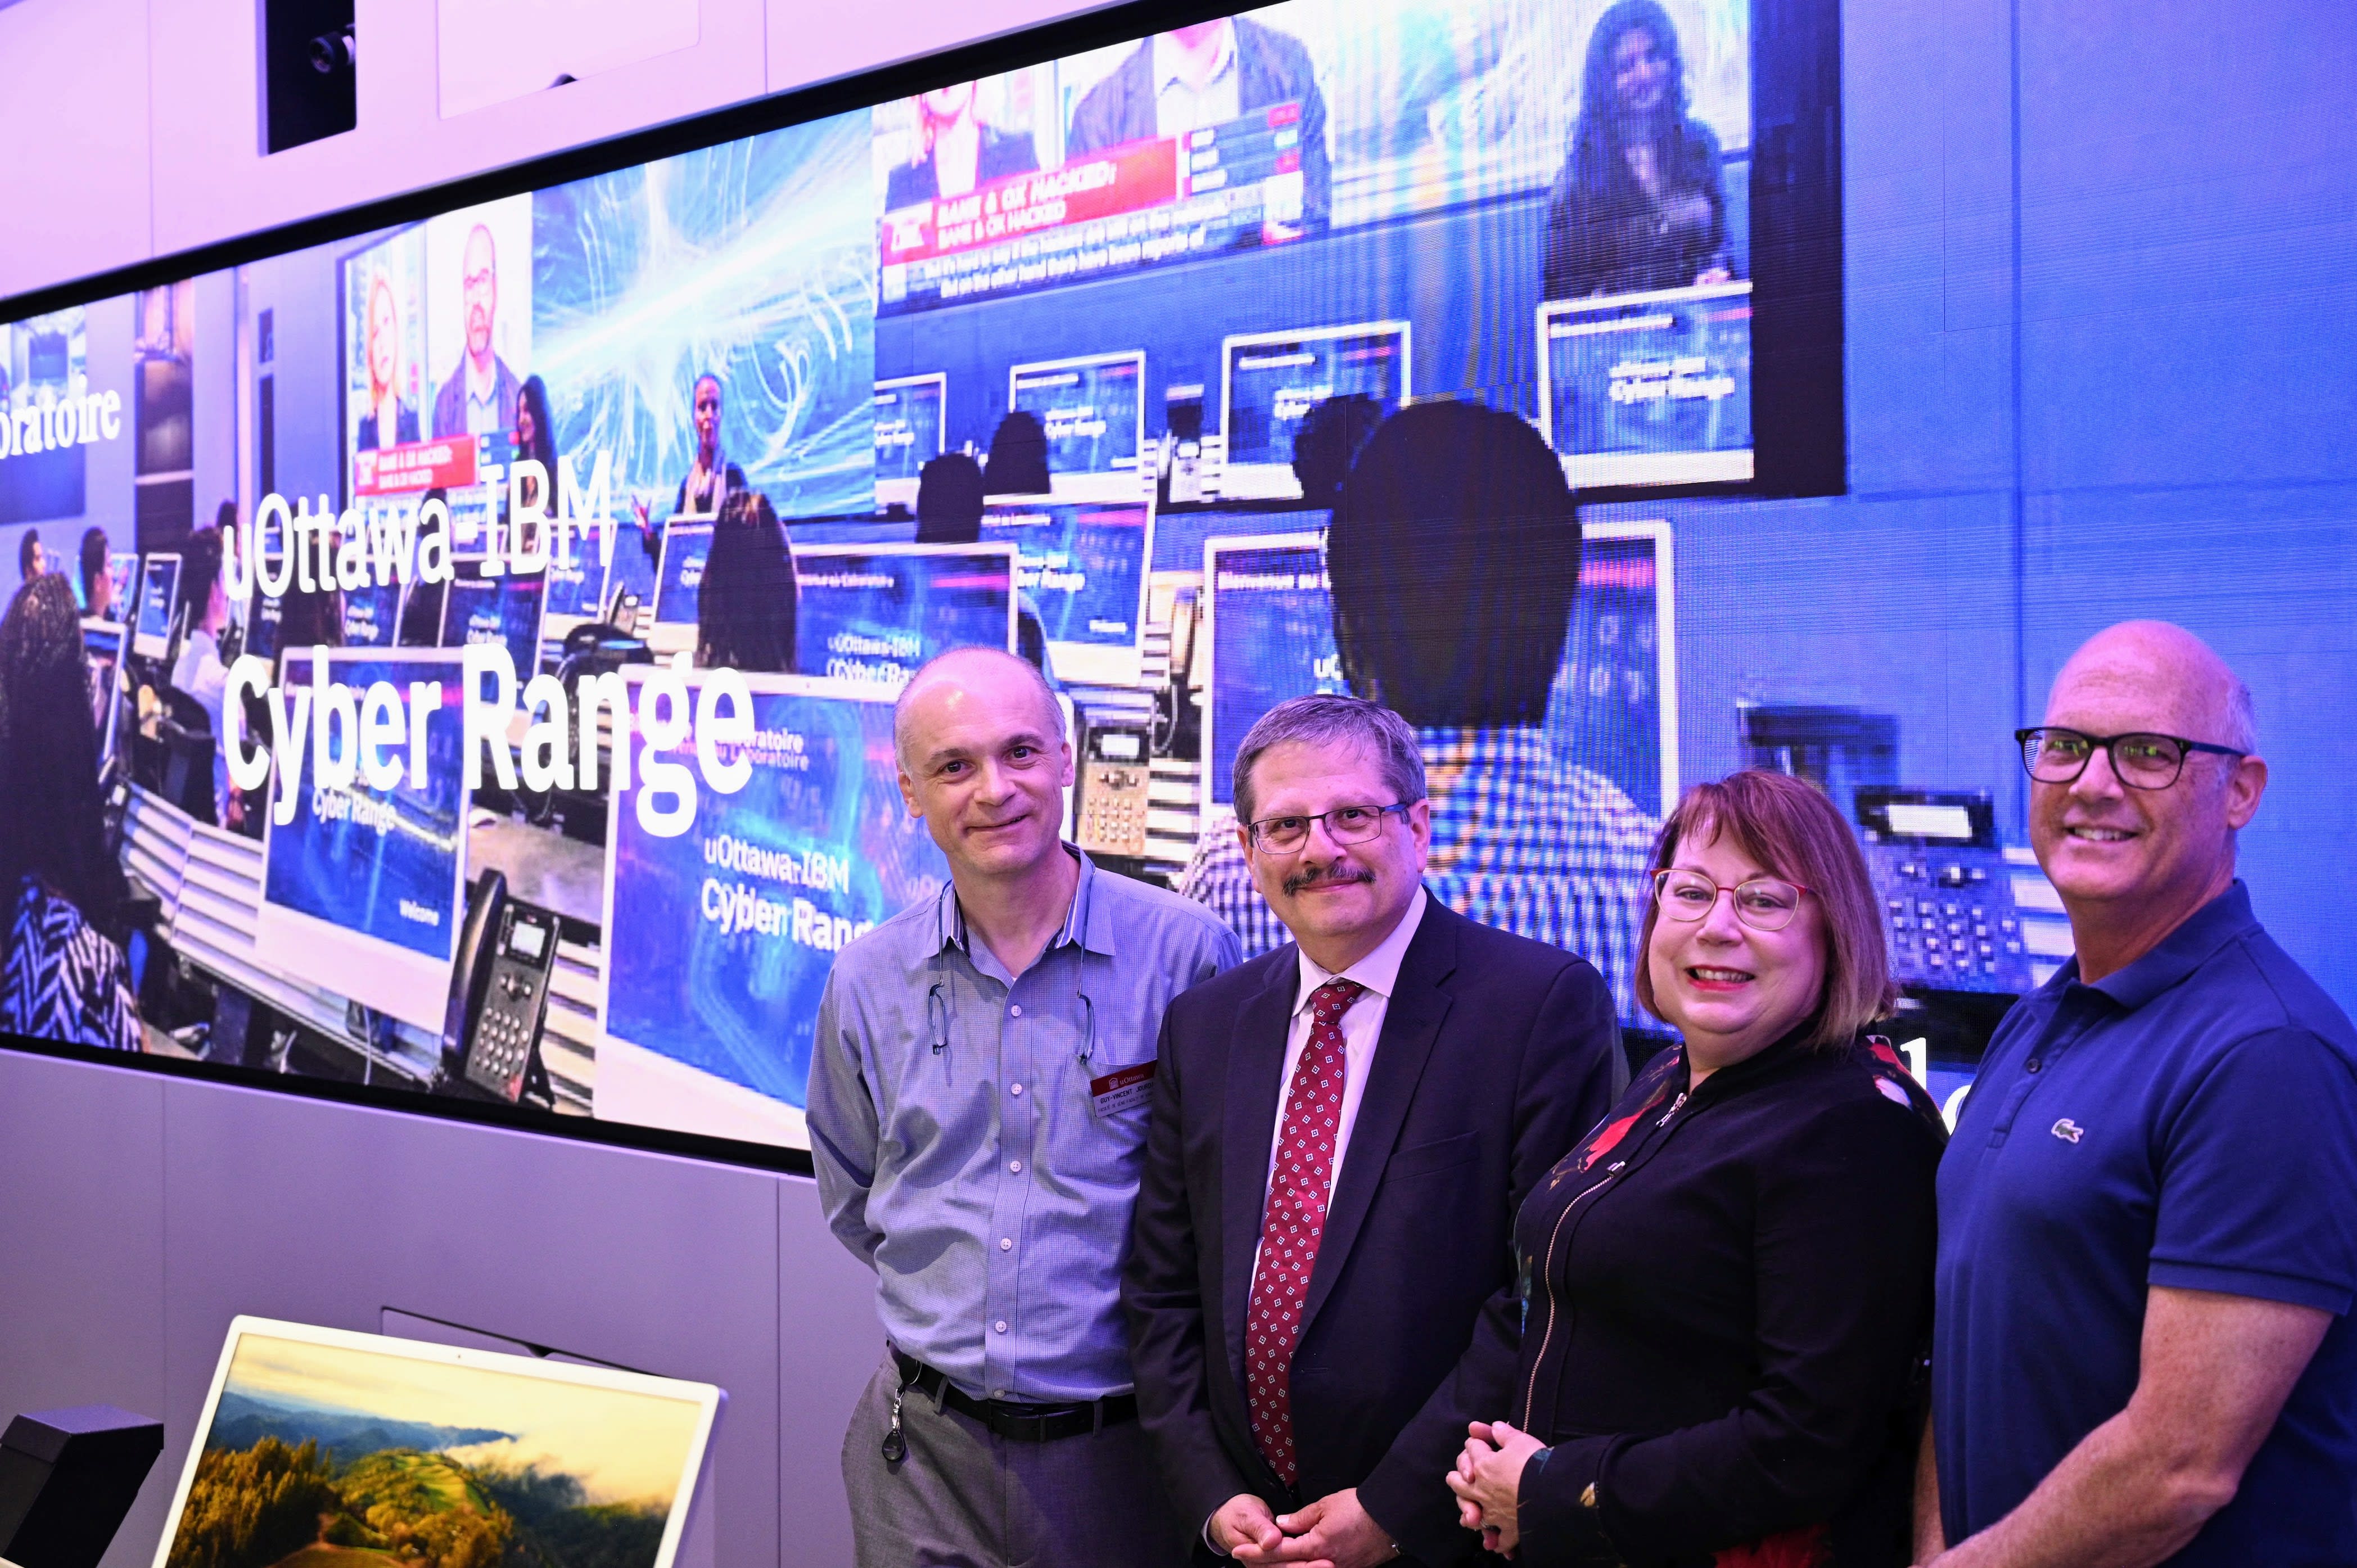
x,y
1000,1325
1014,1166
2032,1064
1015,1011
1006,1243
1014,1089
998,1393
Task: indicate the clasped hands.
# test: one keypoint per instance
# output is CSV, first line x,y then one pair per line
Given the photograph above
x,y
1332,1533
1488,1480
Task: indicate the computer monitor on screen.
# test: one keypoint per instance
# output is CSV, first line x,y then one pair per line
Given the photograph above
x,y
718,940
1082,567
576,591
1649,388
363,891
1270,381
373,614
909,433
873,613
679,587
319,1444
101,646
159,603
122,570
1611,707
505,609
1094,411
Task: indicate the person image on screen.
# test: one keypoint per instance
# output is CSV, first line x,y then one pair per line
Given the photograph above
x,y
1454,557
1206,74
31,559
977,1116
745,611
1640,202
534,436
200,673
711,478
954,151
62,971
1744,1244
2142,1345
97,582
1328,440
1342,1132
390,419
479,398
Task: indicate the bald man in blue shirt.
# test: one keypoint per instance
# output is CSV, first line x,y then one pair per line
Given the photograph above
x,y
2142,1348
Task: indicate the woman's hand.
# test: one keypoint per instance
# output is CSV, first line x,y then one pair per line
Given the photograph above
x,y
1488,1480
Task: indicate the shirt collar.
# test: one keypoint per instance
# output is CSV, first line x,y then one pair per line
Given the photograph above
x,y
1088,923
1167,58
2179,954
1379,971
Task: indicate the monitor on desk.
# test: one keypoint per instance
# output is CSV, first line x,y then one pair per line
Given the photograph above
x,y
718,941
577,590
121,572
101,646
477,609
875,613
909,434
1092,409
1082,567
679,587
159,604
371,614
1649,388
363,891
1270,381
321,1444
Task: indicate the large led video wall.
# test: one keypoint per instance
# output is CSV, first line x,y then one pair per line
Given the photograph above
x,y
1293,350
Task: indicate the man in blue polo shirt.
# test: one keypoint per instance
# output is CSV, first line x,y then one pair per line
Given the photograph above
x,y
2143,1351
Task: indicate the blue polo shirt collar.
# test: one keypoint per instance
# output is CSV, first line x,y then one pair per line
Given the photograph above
x,y
1088,923
2179,954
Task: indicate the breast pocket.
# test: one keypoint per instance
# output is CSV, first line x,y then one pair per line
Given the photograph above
x,y
1427,1159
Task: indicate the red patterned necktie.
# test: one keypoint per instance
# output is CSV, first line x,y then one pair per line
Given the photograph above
x,y
1296,1219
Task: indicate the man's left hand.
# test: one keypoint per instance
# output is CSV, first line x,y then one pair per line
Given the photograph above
x,y
1334,1533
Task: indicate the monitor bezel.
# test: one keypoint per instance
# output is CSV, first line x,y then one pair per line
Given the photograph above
x,y
121,634
709,1400
1093,663
1208,641
1549,311
145,644
1096,485
1275,482
869,552
412,987
903,492
470,569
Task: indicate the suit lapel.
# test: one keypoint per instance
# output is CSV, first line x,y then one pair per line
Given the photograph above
x,y
1411,1023
1256,1071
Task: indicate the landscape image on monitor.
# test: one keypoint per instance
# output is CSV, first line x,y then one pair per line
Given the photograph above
x,y
324,1457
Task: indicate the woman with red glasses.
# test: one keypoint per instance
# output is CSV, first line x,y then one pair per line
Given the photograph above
x,y
1727,1287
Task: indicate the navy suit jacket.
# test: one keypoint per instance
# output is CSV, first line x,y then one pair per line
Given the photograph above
x,y
1497,1055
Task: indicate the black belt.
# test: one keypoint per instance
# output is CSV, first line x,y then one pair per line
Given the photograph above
x,y
1008,1419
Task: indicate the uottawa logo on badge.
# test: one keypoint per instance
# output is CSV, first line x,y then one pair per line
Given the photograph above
x,y
1124,1089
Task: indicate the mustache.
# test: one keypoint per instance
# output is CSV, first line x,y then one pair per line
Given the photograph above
x,y
1314,875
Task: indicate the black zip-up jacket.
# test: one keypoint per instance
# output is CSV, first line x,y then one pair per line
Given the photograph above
x,y
1728,1299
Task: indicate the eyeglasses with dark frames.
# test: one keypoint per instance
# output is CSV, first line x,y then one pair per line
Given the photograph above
x,y
1344,824
2141,760
1762,903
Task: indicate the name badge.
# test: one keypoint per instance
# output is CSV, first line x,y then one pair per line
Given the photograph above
x,y
1124,1089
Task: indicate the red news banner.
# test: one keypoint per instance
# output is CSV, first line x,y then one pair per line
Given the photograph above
x,y
444,464
1123,179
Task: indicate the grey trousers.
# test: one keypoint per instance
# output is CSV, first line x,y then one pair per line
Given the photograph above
x,y
965,1498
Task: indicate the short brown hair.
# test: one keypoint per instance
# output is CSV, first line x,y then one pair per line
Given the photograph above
x,y
1789,829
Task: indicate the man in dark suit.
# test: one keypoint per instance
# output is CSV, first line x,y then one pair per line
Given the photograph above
x,y
1206,74
1342,1132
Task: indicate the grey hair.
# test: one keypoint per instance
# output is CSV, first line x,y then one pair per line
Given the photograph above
x,y
2242,714
977,651
1327,719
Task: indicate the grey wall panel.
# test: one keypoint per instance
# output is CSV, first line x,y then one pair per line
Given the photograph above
x,y
829,1343
329,1214
82,1283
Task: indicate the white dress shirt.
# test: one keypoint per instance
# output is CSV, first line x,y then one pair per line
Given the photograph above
x,y
1179,104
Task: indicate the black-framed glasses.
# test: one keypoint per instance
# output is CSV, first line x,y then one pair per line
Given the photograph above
x,y
1762,903
1344,824
2053,755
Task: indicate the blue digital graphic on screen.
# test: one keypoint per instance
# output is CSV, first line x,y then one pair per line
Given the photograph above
x,y
1274,384
1647,388
1082,566
1272,638
160,589
685,548
719,940
578,589
753,262
371,615
874,617
505,610
908,427
382,863
1089,411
